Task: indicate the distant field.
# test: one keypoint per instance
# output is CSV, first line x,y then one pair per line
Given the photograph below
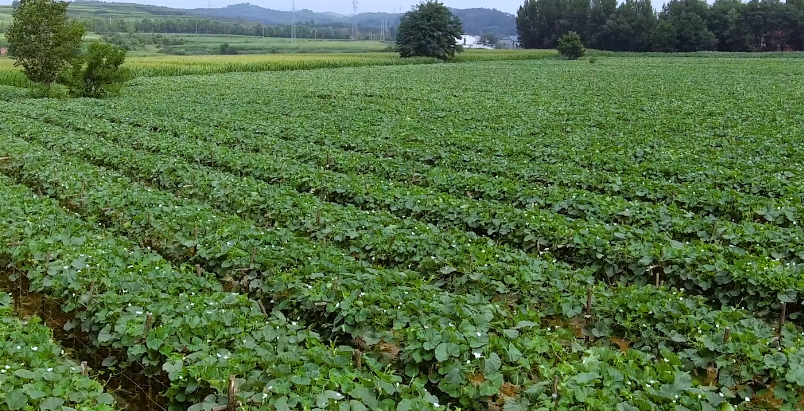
x,y
163,65
203,44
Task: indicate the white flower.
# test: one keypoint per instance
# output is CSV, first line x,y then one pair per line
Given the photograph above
x,y
721,394
666,360
264,396
49,370
35,348
747,399
477,355
479,334
435,404
139,313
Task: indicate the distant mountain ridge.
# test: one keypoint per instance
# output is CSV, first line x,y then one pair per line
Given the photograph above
x,y
476,21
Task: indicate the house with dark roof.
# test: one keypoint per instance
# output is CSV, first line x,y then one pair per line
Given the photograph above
x,y
509,42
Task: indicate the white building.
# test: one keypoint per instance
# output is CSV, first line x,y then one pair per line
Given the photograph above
x,y
470,42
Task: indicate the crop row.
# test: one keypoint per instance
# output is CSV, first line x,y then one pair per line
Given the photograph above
x,y
681,225
132,301
763,175
466,353
378,237
35,373
756,238
616,251
698,196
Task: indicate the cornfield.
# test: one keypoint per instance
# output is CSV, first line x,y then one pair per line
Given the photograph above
x,y
202,65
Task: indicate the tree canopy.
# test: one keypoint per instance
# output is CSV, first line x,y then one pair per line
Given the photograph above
x,y
681,25
429,30
42,40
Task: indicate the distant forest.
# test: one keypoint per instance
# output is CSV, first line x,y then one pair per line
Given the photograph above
x,y
681,25
211,26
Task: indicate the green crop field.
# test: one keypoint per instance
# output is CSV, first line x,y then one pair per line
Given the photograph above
x,y
490,235
204,45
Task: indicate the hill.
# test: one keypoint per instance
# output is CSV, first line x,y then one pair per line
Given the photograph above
x,y
475,21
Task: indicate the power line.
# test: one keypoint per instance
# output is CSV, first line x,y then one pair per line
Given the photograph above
x,y
354,22
293,28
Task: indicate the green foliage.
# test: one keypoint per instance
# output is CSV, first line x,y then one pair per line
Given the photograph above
x,y
33,372
461,268
688,17
429,30
726,25
570,46
541,22
98,73
226,49
664,37
490,39
131,41
42,39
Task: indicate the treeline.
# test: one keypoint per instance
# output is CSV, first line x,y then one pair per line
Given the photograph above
x,y
681,25
131,41
306,30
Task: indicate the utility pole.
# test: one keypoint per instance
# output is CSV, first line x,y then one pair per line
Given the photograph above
x,y
293,29
354,23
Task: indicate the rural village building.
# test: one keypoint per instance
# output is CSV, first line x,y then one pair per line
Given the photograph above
x,y
509,42
471,42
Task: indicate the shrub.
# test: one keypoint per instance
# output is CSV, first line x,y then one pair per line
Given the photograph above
x,y
98,73
570,46
227,49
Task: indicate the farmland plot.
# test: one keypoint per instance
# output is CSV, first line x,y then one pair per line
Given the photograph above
x,y
520,235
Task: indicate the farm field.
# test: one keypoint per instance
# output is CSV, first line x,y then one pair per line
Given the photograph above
x,y
162,65
515,235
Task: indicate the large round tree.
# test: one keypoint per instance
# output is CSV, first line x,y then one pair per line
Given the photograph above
x,y
429,30
43,40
